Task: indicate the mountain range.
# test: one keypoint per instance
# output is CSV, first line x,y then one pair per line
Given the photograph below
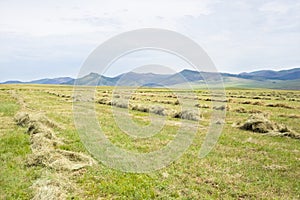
x,y
283,79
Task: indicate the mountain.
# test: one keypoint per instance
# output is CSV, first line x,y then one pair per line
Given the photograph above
x,y
12,82
92,79
140,79
128,79
42,81
52,81
290,74
284,79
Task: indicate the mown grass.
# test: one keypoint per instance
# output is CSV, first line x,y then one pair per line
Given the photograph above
x,y
243,164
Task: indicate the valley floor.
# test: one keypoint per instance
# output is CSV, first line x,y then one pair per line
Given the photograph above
x,y
244,164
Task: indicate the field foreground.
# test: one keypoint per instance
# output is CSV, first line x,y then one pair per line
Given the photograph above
x,y
256,157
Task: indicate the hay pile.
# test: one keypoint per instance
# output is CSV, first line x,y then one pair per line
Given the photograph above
x,y
202,106
243,110
222,107
140,108
158,110
260,123
51,187
120,104
188,114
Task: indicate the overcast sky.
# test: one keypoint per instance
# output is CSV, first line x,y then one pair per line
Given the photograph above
x,y
53,38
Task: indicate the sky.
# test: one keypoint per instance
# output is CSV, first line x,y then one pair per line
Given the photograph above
x,y
42,39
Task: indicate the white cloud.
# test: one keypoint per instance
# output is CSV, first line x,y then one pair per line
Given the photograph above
x,y
276,7
43,18
238,35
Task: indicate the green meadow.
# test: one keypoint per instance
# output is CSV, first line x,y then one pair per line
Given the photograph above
x,y
42,156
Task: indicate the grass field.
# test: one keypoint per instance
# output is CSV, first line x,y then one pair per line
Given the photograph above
x,y
42,155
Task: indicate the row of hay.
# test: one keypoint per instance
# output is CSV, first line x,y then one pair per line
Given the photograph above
x,y
202,105
280,105
215,99
155,109
255,103
176,102
44,144
238,110
243,110
250,97
60,95
55,183
293,116
20,101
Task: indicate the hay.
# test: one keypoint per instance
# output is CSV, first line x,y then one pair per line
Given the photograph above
x,y
158,110
44,145
49,123
260,123
48,189
52,187
257,103
292,116
70,161
22,119
120,104
221,107
240,110
187,114
254,111
57,163
202,106
19,99
280,105
243,110
103,101
140,108
246,102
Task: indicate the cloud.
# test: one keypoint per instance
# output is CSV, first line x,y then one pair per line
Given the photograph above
x,y
237,35
276,7
39,18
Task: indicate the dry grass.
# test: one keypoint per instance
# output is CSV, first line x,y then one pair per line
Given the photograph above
x,y
280,105
202,106
187,114
293,116
45,154
158,110
260,123
44,142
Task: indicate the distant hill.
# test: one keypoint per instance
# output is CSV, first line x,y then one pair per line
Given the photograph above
x,y
128,79
290,74
12,82
284,79
43,81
